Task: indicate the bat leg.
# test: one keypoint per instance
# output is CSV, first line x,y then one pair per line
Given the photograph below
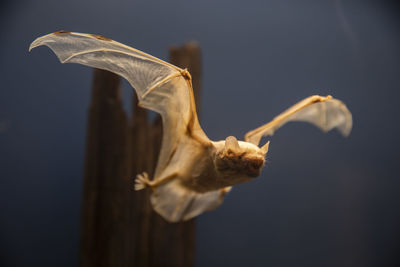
x,y
142,181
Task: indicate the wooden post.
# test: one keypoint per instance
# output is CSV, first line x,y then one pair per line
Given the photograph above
x,y
119,226
106,179
159,243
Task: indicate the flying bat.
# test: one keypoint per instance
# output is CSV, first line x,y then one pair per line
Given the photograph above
x,y
193,173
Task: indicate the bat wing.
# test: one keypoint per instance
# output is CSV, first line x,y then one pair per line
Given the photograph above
x,y
160,86
176,203
324,112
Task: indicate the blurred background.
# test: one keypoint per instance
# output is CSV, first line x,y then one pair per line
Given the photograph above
x,y
322,200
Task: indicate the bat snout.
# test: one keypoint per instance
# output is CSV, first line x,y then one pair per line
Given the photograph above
x,y
254,167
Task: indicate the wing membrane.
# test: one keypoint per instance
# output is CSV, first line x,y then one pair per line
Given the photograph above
x,y
140,69
325,113
160,86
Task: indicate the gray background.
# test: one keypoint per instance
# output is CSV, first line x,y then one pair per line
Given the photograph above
x,y
322,200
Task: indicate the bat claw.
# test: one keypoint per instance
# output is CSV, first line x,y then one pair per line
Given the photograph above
x,y
142,181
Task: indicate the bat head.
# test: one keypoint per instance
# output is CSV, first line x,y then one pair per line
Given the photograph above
x,y
240,160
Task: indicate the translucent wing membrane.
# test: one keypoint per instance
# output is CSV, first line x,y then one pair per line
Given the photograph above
x,y
160,86
326,113
143,71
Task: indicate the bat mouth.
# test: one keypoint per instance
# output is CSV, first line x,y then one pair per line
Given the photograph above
x,y
253,167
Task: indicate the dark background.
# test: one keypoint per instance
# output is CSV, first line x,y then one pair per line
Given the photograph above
x,y
322,200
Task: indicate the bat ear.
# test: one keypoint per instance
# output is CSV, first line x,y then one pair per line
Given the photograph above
x,y
264,148
231,144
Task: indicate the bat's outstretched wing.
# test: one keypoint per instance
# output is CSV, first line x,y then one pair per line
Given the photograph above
x,y
160,86
324,112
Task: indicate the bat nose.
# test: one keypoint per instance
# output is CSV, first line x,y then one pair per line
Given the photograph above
x,y
254,167
257,164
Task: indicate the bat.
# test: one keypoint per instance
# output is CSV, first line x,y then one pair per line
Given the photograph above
x,y
193,173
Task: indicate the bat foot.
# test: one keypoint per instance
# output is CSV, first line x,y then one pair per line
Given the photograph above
x,y
142,181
